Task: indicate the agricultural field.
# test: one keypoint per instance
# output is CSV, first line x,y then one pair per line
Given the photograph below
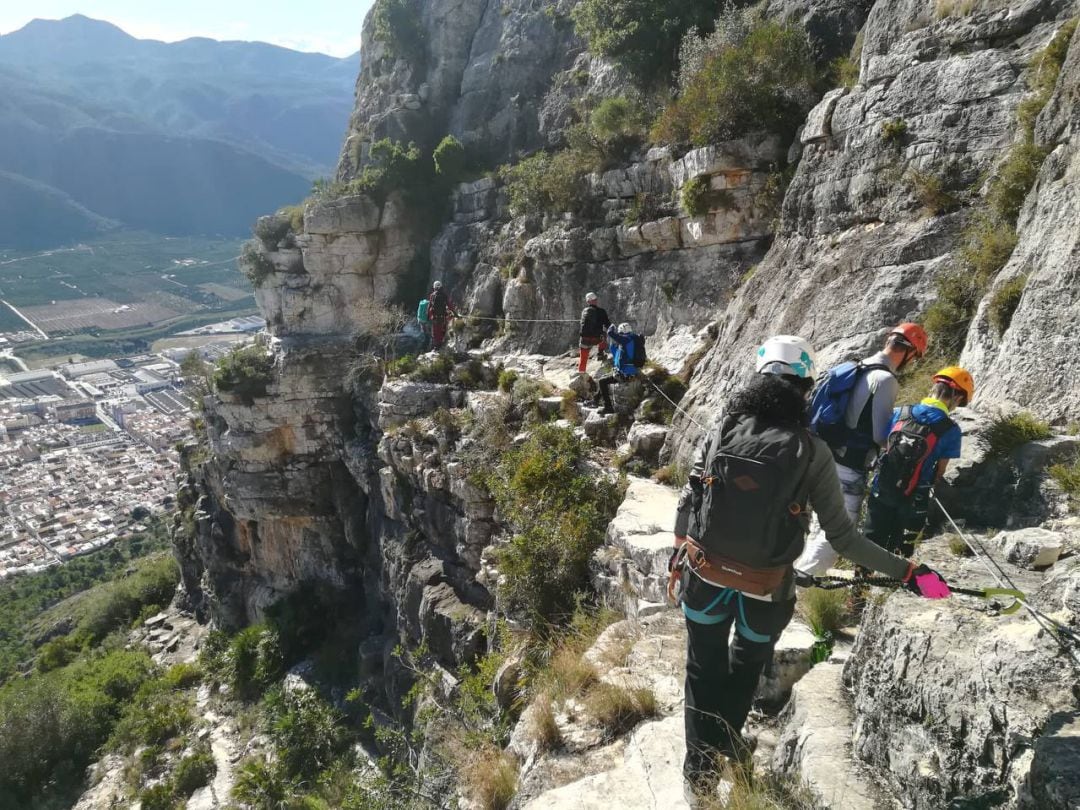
x,y
120,293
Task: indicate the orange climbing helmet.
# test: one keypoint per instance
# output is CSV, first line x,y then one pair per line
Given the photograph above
x,y
958,379
915,335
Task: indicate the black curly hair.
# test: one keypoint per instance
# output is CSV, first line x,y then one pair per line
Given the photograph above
x,y
775,398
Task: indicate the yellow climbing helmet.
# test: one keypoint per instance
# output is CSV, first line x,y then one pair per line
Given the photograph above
x,y
958,379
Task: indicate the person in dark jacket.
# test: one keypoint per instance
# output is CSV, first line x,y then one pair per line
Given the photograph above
x,y
440,311
594,325
721,678
625,343
894,519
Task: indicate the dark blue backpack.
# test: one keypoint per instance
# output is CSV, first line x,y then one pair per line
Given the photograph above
x,y
829,403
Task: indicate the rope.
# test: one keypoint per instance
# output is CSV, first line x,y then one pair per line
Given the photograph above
x,y
674,404
518,320
1055,628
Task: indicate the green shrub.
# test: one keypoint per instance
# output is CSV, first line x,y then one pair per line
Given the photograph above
x,y
958,547
270,230
401,366
1005,300
845,71
255,264
1068,478
154,716
617,117
263,785
295,216
640,35
1045,69
766,82
182,676
245,372
986,245
507,378
397,24
560,513
1005,434
52,725
450,160
158,797
932,192
193,772
433,370
527,393
673,475
114,606
1014,179
695,195
545,182
824,611
894,130
306,730
392,166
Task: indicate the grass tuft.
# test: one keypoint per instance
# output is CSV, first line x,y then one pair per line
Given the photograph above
x,y
824,611
1005,300
1005,434
617,709
491,779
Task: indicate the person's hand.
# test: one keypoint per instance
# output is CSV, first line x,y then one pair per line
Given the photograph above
x,y
927,583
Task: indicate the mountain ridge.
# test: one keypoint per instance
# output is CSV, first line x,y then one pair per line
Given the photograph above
x,y
257,122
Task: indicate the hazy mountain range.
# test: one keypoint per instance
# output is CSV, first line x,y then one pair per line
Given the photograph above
x,y
99,129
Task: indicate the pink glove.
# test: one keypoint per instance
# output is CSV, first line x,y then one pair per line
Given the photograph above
x,y
927,583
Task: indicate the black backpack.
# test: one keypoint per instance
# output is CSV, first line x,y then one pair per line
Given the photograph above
x,y
437,304
750,504
639,357
909,445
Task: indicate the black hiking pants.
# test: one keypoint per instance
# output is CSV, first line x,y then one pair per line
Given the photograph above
x,y
722,677
605,384
894,525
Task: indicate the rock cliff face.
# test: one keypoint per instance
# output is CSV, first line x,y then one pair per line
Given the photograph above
x,y
856,250
339,478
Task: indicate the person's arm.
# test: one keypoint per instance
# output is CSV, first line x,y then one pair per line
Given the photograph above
x,y
884,394
584,318
686,497
827,499
614,336
939,473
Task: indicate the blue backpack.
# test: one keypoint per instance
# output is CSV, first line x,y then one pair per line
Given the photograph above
x,y
829,403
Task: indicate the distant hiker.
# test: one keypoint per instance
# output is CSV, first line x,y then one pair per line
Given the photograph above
x,y
594,324
922,440
440,309
423,320
741,522
628,356
851,410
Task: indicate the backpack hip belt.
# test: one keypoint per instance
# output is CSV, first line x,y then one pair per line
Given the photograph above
x,y
724,572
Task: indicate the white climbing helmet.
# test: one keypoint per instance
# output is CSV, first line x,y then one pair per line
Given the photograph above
x,y
787,354
591,298
625,328
437,285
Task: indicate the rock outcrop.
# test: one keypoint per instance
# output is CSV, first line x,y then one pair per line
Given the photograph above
x,y
856,250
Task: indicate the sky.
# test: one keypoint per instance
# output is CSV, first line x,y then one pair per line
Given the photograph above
x,y
326,26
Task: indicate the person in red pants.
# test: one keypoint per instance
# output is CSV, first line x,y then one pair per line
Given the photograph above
x,y
594,325
440,311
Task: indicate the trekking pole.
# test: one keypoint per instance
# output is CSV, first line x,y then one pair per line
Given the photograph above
x,y
1055,628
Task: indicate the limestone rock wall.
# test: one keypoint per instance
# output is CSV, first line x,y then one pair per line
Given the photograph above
x,y
856,250
1031,363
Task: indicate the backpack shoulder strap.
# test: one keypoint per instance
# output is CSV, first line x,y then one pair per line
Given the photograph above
x,y
802,489
865,367
942,426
